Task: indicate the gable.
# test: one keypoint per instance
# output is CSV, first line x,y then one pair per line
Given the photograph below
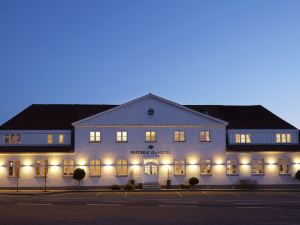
x,y
136,113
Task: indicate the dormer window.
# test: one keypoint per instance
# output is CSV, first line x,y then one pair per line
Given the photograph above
x,y
283,138
242,138
12,139
50,139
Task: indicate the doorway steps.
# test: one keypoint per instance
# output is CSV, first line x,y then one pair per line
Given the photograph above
x,y
151,186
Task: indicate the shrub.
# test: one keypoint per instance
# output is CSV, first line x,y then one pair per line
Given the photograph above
x,y
247,184
297,176
128,187
193,181
78,175
115,187
139,186
184,186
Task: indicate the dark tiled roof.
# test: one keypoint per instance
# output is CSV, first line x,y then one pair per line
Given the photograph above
x,y
36,149
244,117
264,148
61,117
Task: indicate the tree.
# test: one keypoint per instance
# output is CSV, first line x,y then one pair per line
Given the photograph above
x,y
193,181
78,175
297,176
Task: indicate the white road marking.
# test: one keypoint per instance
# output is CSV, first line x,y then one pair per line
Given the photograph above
x,y
255,207
263,194
98,194
185,206
24,203
207,194
180,195
235,194
102,204
125,194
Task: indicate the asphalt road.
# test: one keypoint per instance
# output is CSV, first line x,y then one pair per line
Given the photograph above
x,y
203,207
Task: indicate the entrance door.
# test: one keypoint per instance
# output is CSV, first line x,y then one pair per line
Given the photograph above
x,y
151,170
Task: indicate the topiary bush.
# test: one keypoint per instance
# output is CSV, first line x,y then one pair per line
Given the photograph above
x,y
128,187
193,181
139,186
184,186
78,175
115,187
297,176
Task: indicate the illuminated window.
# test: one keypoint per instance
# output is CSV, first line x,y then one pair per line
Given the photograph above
x,y
232,167
243,138
258,167
50,139
122,167
41,168
205,136
284,166
283,138
95,136
205,167
121,136
14,168
179,136
179,167
69,166
12,139
150,136
95,167
61,139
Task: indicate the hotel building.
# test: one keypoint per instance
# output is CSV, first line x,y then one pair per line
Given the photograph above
x,y
150,140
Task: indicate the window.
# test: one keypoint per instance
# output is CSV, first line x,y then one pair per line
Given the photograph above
x,y
61,139
41,168
232,167
205,167
122,169
179,167
284,166
243,138
69,165
258,167
12,139
179,136
122,136
150,136
205,136
50,139
95,167
283,138
95,136
14,168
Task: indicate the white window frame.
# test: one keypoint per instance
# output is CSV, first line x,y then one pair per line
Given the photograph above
x,y
230,164
68,167
205,167
205,136
15,167
244,138
179,168
150,136
122,168
95,136
41,167
121,136
61,139
95,168
283,138
179,136
284,164
256,163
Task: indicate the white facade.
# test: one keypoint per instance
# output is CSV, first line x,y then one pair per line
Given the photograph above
x,y
150,161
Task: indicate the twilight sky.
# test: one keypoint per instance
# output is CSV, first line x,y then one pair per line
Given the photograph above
x,y
190,52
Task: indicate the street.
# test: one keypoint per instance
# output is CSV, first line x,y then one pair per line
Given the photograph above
x,y
181,207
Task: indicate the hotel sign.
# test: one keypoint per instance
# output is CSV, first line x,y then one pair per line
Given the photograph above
x,y
150,152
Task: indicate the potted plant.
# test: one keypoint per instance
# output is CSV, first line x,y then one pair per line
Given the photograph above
x,y
297,176
193,181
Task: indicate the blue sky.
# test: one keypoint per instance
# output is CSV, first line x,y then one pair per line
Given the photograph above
x,y
191,52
